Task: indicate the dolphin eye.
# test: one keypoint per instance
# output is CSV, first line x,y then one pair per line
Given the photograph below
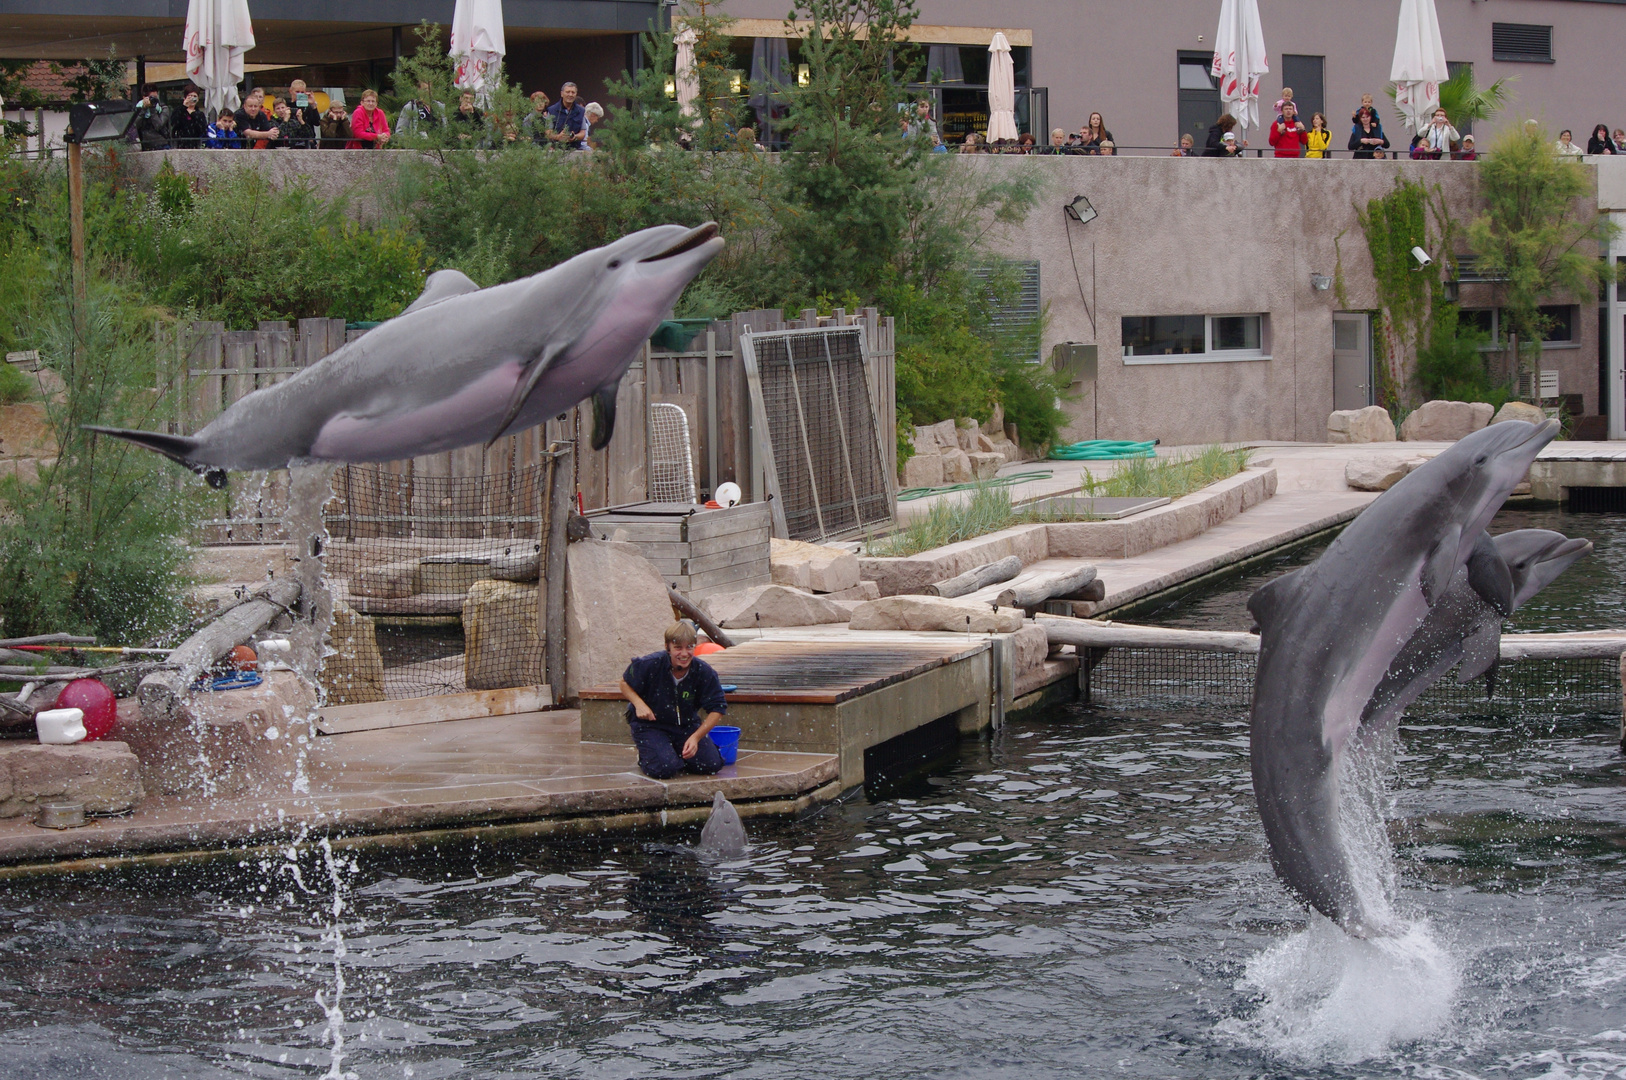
x,y
1480,460
615,263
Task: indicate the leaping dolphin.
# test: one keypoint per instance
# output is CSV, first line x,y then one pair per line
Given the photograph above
x,y
1502,574
461,365
1330,631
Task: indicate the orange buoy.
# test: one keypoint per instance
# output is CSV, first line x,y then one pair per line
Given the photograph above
x,y
707,647
243,658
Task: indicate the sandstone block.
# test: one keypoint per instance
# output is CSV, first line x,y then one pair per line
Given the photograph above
x,y
965,434
864,590
501,643
616,608
1002,445
935,613
105,776
387,582
1371,424
985,445
1031,649
985,466
1378,473
1519,410
1445,421
932,438
900,575
773,605
812,567
924,470
956,467
994,426
354,675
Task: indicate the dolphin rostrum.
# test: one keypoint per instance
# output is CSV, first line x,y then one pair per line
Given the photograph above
x,y
461,365
1502,574
1329,632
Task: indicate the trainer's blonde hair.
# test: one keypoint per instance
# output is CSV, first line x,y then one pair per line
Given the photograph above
x,y
681,633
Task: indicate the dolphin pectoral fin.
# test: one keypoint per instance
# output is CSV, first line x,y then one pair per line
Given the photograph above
x,y
1271,601
442,285
523,389
1481,651
1490,576
1441,564
604,414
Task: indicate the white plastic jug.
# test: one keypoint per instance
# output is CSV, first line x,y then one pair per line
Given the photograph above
x,y
60,726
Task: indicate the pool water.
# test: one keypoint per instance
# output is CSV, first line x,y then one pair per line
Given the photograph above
x,y
1084,893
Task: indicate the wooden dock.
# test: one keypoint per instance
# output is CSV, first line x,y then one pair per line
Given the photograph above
x,y
840,697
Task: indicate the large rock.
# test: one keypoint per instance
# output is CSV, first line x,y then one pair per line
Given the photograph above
x,y
772,605
994,426
924,470
1031,648
616,608
864,590
1445,421
501,644
937,437
105,776
957,467
985,466
812,567
354,673
1371,424
965,434
1378,473
1520,410
935,613
390,581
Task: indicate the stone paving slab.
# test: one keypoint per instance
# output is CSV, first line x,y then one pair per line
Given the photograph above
x,y
456,773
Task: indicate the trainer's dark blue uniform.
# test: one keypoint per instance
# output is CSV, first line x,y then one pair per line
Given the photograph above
x,y
679,707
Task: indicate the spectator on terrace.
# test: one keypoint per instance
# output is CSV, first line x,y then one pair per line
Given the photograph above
x,y
1093,134
189,124
336,127
152,123
302,107
1419,148
1026,143
1187,147
1366,108
1565,147
1366,138
1057,145
1439,135
1467,153
923,122
1222,141
1108,148
569,119
1287,135
1601,143
296,134
1318,140
468,122
594,114
1285,99
422,114
222,134
253,124
536,123
1620,141
970,144
369,127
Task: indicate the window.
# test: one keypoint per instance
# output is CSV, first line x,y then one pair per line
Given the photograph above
x,y
1189,339
1304,75
1016,314
1562,324
1522,42
1197,100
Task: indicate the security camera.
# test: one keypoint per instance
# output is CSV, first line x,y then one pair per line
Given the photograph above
x,y
1423,261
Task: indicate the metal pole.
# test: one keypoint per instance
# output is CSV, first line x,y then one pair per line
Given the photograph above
x,y
553,584
76,223
711,412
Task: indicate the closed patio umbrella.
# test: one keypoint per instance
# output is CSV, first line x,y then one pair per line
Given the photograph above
x,y
218,33
1419,66
770,75
688,79
1239,60
1001,89
477,45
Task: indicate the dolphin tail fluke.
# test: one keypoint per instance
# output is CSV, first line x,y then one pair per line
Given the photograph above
x,y
604,414
178,448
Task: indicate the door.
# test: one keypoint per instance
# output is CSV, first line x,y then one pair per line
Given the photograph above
x,y
1199,100
1351,360
1304,74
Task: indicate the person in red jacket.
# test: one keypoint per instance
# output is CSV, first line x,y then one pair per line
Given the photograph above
x,y
369,127
1287,135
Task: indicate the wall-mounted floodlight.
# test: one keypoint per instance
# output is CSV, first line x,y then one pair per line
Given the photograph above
x,y
1080,210
98,121
1320,282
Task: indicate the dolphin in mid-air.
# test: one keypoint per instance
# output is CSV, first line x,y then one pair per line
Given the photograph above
x,y
461,365
1330,631
1502,574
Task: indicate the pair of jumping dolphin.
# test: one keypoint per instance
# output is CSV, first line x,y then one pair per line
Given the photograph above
x,y
1412,587
461,365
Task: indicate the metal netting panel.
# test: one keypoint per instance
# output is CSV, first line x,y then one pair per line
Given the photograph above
x,y
1183,676
411,560
671,465
828,461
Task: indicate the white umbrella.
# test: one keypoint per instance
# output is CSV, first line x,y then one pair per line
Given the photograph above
x,y
218,33
1001,89
477,44
1419,66
1239,60
688,78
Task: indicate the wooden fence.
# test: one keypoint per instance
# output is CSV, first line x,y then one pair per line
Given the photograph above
x,y
205,368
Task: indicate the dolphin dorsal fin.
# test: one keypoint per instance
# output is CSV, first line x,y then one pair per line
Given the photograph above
x,y
442,285
1271,601
1490,577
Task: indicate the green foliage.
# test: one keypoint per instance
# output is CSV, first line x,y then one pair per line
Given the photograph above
x,y
1171,477
1465,102
950,520
12,89
1452,365
14,385
101,80
1540,233
1412,215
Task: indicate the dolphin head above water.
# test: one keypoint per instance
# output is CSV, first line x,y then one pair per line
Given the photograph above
x,y
1535,558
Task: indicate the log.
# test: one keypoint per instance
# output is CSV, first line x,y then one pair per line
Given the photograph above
x,y
555,657
1582,645
1035,591
1093,593
47,639
1086,634
519,566
688,610
162,691
979,578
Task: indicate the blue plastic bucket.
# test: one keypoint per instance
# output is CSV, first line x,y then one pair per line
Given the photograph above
x,y
728,742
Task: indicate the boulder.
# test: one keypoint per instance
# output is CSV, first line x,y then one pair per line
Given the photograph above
x,y
965,434
812,567
1371,424
985,466
1378,473
935,613
105,776
390,581
864,590
1445,421
994,426
1520,410
1002,445
956,467
936,437
924,470
501,644
354,673
616,608
772,605
985,445
1031,647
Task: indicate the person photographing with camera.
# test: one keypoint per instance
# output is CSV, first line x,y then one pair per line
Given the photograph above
x,y
1287,135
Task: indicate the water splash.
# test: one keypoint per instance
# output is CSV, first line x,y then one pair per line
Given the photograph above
x,y
339,871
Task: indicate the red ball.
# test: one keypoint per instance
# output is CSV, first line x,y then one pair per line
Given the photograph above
x,y
244,658
100,707
705,648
